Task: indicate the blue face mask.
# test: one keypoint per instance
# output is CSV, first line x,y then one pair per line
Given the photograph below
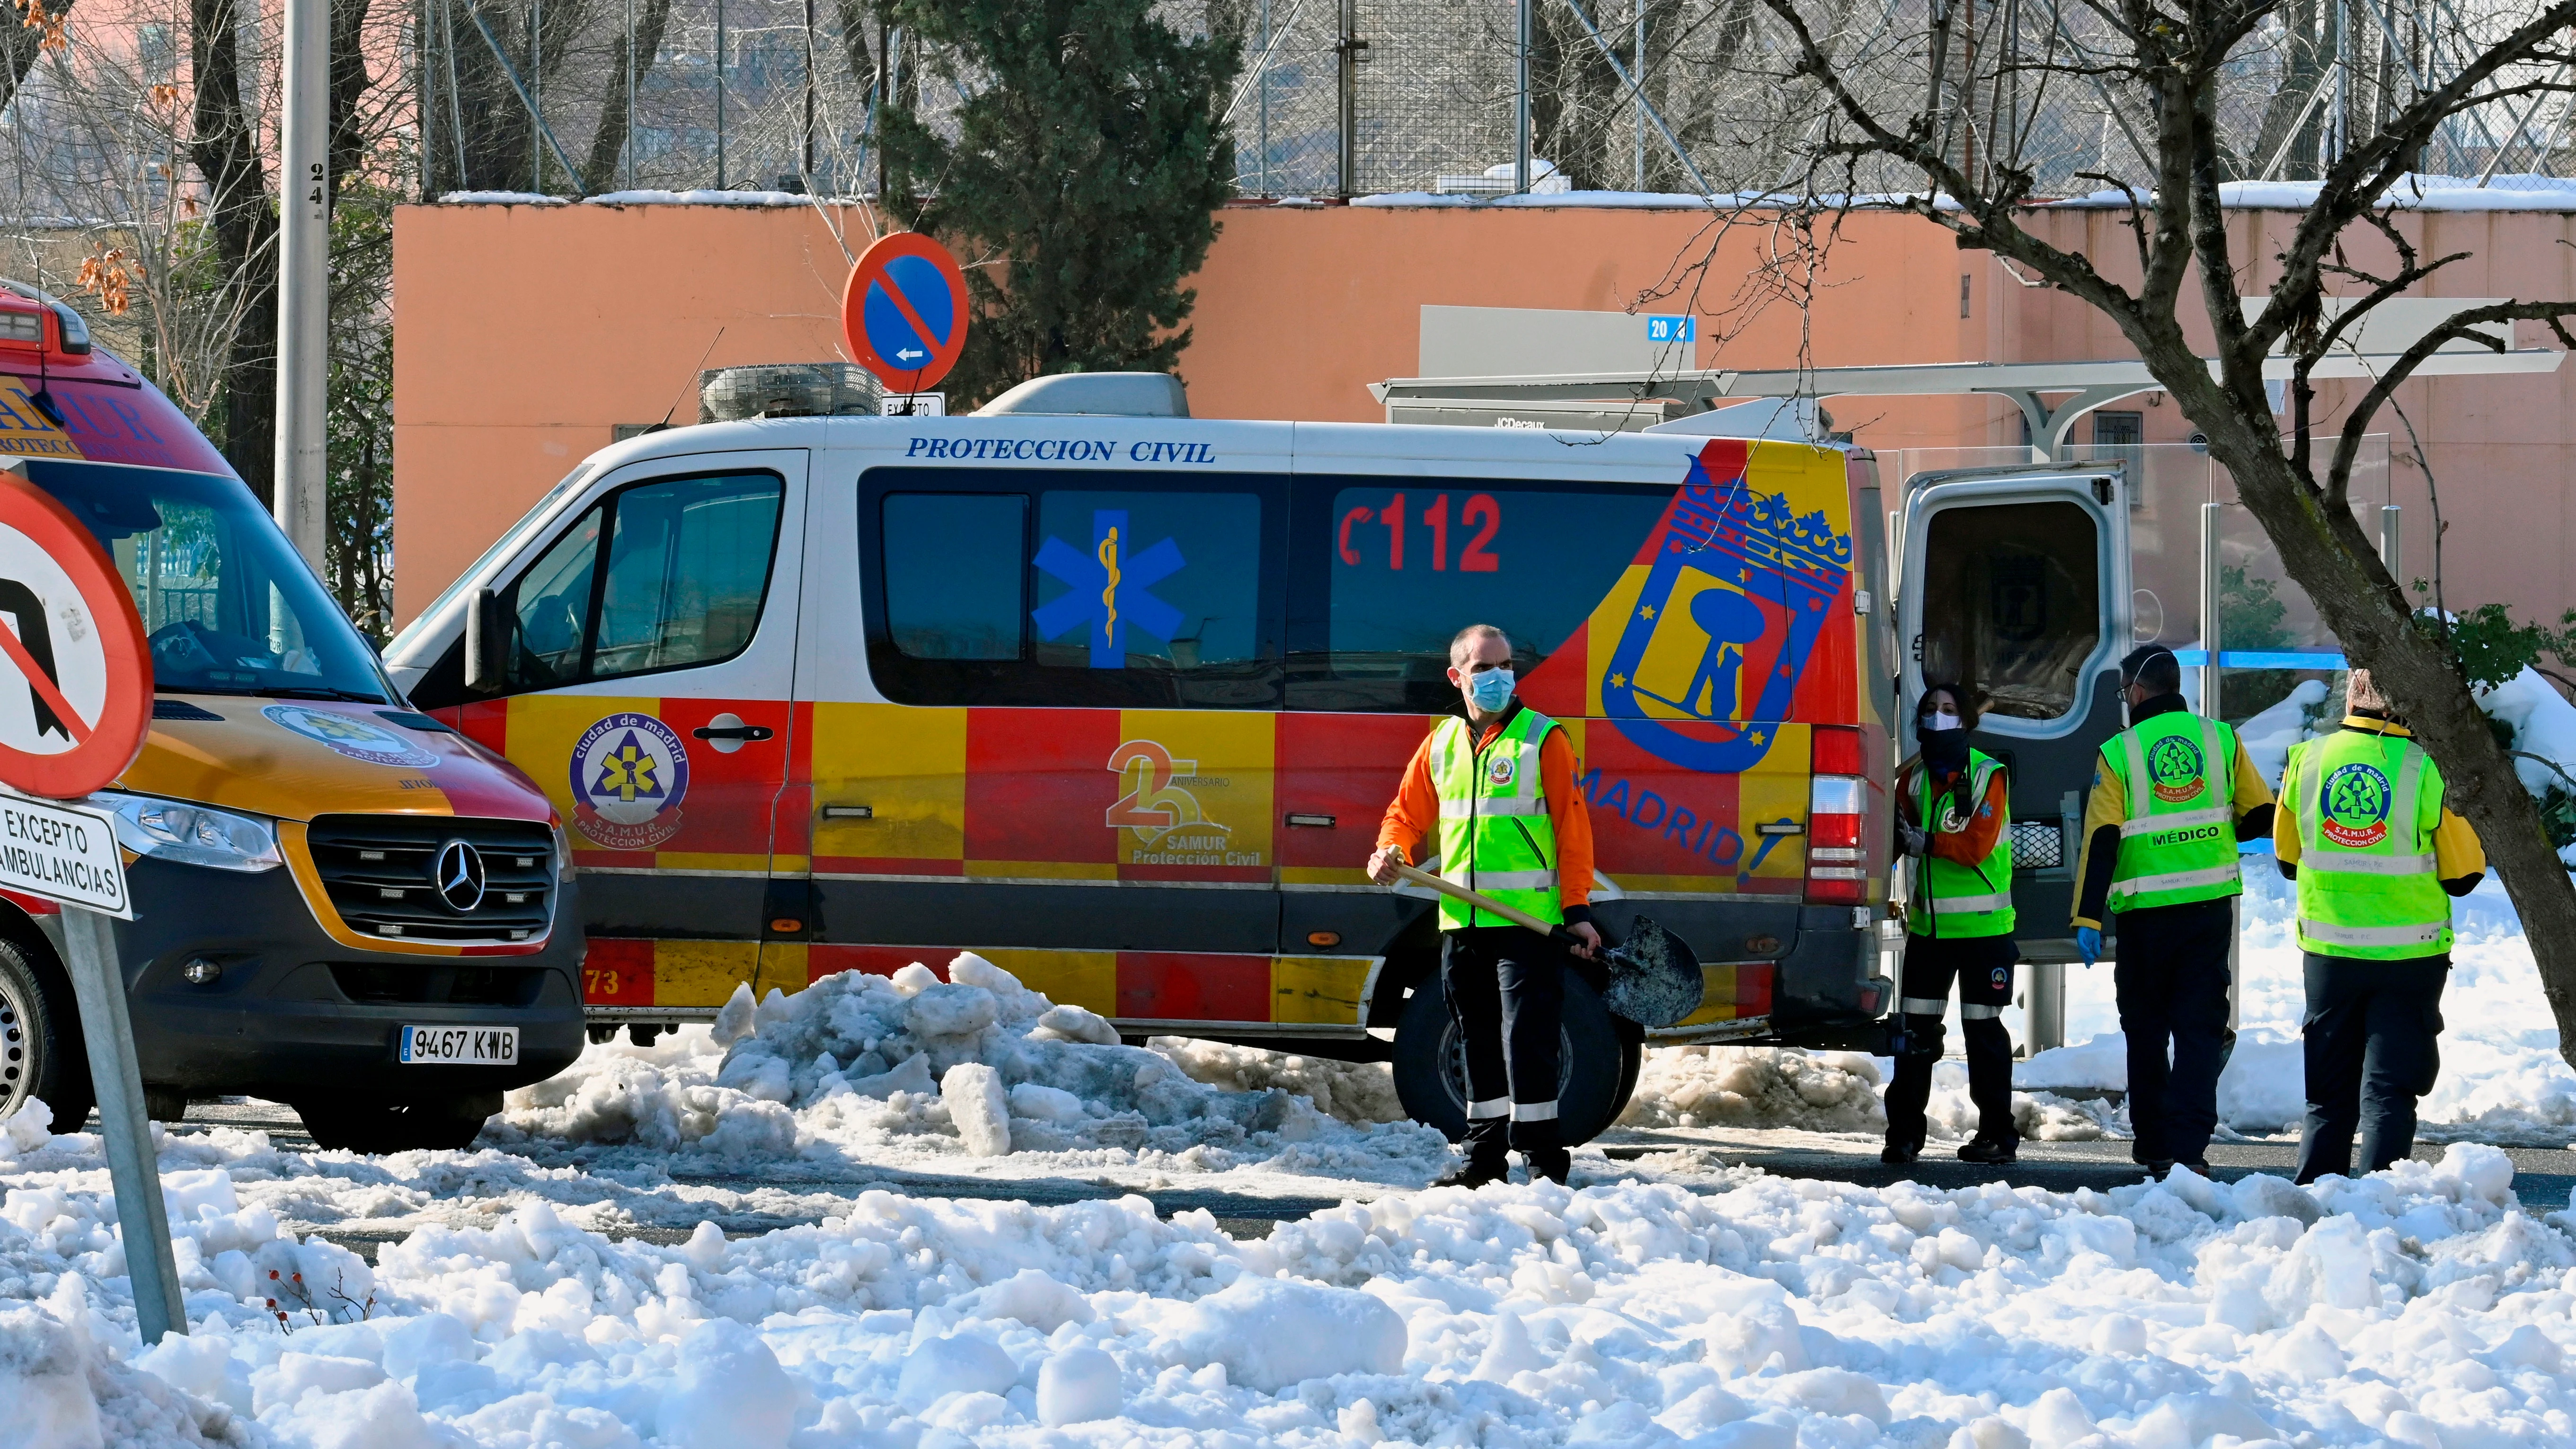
x,y
1491,690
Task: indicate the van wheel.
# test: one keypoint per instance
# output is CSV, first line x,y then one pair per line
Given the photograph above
x,y
1597,1068
1632,1060
41,1051
367,1124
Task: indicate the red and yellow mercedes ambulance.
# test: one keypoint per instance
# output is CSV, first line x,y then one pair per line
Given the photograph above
x,y
339,902
1118,701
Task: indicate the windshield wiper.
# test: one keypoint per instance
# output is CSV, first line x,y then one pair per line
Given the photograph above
x,y
316,691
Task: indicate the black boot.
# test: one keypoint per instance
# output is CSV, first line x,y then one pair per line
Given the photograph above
x,y
1475,1172
1488,1155
1899,1154
2001,1151
1540,1147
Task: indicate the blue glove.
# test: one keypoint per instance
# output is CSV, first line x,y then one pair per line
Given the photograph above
x,y
2088,944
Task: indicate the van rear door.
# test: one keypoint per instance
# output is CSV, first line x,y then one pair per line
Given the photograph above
x,y
2016,582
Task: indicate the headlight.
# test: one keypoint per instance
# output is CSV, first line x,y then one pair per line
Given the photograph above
x,y
191,834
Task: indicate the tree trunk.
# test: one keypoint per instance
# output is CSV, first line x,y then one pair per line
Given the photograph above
x,y
2324,550
497,131
349,82
225,150
21,48
2302,71
600,172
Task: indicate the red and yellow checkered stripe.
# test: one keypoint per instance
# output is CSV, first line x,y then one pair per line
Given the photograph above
x,y
1135,985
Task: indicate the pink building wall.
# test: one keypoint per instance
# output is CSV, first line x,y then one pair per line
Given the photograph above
x,y
527,333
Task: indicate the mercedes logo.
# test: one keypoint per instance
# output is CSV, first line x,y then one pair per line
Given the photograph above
x,y
458,875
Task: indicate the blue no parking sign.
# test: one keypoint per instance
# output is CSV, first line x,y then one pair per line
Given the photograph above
x,y
904,312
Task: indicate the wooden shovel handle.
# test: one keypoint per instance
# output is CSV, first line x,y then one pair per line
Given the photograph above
x,y
1479,900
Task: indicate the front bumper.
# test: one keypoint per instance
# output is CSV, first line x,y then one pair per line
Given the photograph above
x,y
296,1012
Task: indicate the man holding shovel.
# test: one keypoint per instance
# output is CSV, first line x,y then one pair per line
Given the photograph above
x,y
1499,781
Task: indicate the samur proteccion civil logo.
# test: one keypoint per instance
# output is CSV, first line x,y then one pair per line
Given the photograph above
x,y
629,772
2356,802
1502,768
2174,769
351,737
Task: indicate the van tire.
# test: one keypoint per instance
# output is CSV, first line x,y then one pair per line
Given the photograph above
x,y
373,1124
1599,1068
42,1053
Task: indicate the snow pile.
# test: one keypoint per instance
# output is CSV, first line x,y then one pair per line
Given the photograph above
x,y
60,1387
1354,1092
1728,1086
2543,725
975,1065
2420,1306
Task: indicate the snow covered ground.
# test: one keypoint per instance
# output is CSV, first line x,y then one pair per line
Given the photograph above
x,y
2419,1307
571,1281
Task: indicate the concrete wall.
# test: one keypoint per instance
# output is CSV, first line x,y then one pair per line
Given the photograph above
x,y
528,333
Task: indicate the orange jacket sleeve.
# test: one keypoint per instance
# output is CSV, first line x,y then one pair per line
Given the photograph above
x,y
1972,845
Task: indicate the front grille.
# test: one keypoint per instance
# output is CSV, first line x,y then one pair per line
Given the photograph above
x,y
378,871
2038,845
371,984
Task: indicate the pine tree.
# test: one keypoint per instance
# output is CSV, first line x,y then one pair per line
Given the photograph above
x,y
1082,184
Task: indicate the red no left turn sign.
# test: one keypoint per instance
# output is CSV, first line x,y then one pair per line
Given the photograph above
x,y
75,673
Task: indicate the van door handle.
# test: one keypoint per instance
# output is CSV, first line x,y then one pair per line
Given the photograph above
x,y
728,733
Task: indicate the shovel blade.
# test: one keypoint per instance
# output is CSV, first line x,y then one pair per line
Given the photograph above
x,y
1655,979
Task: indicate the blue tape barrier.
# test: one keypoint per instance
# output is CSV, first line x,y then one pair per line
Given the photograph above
x,y
2261,659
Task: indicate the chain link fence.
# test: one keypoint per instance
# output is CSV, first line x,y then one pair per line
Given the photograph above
x,y
1424,95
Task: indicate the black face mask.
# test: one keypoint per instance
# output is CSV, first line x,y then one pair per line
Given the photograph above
x,y
1945,752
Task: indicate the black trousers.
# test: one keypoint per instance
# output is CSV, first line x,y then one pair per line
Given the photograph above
x,y
2171,976
1983,966
2372,1033
1506,990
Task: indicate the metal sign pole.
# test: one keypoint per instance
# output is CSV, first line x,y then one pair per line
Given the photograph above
x,y
2211,641
302,478
89,943
66,851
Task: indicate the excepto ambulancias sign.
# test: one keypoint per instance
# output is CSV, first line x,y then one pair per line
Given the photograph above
x,y
63,853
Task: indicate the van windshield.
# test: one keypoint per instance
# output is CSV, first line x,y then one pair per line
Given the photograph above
x,y
227,604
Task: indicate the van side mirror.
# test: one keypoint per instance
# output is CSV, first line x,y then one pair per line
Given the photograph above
x,y
487,641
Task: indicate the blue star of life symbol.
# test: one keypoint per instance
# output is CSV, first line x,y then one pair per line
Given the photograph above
x,y
1106,589
627,771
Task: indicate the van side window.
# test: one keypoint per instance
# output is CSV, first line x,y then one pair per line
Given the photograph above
x,y
956,582
659,575
688,562
1388,570
1102,590
553,608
